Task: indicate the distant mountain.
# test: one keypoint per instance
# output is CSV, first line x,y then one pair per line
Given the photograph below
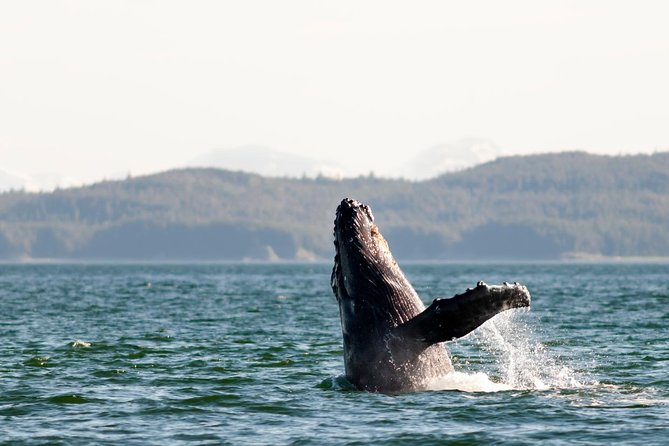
x,y
35,183
268,162
533,207
444,158
10,181
449,157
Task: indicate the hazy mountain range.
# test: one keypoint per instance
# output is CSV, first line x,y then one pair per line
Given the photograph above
x,y
427,164
448,157
550,206
268,161
40,182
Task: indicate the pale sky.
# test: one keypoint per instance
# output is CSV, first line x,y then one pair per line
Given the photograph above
x,y
90,89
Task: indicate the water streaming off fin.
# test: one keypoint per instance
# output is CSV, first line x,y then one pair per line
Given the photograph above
x,y
505,353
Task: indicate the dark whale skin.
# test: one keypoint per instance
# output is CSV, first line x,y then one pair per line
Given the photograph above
x,y
391,341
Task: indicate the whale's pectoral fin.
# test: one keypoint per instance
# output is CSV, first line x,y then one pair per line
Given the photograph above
x,y
448,319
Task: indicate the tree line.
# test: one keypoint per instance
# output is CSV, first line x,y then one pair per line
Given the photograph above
x,y
523,207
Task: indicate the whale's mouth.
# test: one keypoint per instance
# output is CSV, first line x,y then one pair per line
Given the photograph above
x,y
356,235
356,240
353,226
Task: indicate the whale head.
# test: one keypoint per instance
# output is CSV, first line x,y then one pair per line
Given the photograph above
x,y
366,278
365,269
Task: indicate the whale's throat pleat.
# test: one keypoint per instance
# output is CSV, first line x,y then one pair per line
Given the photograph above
x,y
401,300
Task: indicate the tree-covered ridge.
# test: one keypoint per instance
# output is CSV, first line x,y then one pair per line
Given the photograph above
x,y
540,206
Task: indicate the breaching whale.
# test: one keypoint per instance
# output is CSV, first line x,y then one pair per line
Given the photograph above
x,y
391,341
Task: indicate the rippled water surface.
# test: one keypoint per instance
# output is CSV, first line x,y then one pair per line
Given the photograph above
x,y
251,354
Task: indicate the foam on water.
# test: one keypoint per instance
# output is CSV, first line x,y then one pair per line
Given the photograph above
x,y
467,382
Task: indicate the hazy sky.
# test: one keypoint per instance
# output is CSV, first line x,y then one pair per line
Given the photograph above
x,y
92,88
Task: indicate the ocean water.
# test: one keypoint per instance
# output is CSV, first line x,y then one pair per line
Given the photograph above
x,y
251,354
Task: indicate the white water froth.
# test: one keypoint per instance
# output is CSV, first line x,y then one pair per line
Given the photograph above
x,y
467,382
511,358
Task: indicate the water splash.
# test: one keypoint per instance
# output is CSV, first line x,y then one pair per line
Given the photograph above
x,y
511,357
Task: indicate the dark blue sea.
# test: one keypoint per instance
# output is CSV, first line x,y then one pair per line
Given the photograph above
x,y
184,354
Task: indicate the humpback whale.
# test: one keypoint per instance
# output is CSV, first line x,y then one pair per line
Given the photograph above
x,y
392,343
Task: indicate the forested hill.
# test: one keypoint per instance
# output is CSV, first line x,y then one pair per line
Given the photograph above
x,y
531,207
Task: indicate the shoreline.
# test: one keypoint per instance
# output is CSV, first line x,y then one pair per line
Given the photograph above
x,y
580,259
